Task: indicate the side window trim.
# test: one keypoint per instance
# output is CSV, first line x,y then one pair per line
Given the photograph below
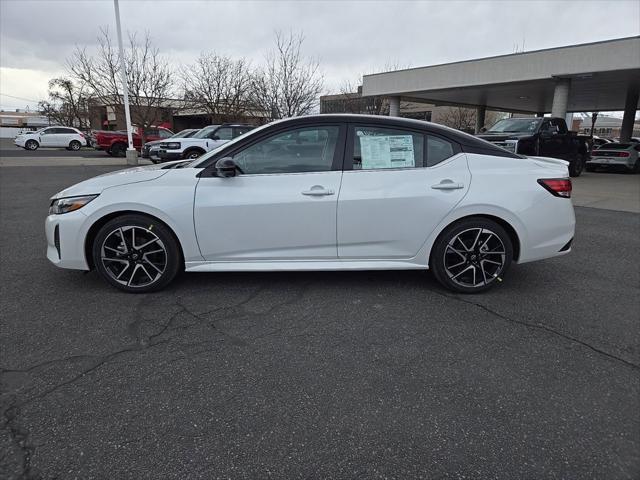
x,y
338,155
349,148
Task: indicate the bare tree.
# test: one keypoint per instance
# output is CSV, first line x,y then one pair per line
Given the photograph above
x,y
288,85
353,101
218,84
67,103
460,118
149,77
463,118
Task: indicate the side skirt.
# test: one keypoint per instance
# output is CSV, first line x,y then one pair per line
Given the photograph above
x,y
292,265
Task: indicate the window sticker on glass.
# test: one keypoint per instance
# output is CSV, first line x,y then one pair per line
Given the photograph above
x,y
388,151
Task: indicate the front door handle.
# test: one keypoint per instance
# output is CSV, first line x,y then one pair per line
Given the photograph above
x,y
447,185
318,191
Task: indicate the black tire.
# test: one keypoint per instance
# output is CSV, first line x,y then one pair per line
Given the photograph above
x,y
75,145
478,257
636,167
590,168
576,165
118,150
120,260
192,154
31,145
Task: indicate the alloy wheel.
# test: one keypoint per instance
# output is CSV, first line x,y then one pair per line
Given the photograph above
x,y
474,257
133,256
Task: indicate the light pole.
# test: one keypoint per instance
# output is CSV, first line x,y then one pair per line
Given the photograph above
x,y
132,154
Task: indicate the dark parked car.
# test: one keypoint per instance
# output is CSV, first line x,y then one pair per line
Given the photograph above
x,y
541,137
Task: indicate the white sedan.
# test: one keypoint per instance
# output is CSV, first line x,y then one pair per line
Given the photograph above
x,y
61,137
326,192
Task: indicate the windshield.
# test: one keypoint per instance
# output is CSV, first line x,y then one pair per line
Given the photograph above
x,y
516,125
205,132
183,134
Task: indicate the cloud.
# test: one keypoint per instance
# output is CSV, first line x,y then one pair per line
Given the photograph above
x,y
349,37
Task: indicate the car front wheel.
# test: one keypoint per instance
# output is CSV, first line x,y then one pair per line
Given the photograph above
x,y
31,145
136,253
471,255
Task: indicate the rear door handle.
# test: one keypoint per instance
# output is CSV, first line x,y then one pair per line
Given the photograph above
x,y
447,185
318,191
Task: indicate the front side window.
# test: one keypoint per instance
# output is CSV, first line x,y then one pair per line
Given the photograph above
x,y
165,133
308,149
225,133
376,148
206,132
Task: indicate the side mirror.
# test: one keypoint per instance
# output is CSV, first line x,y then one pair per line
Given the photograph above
x,y
215,137
226,167
483,129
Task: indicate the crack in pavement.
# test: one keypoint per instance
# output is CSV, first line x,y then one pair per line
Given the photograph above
x,y
545,328
11,408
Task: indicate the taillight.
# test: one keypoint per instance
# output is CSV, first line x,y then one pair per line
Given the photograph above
x,y
560,187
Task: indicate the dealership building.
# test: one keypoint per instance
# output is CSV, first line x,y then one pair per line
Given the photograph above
x,y
590,77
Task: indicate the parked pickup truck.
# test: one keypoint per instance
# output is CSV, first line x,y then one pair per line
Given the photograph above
x,y
541,137
205,140
115,142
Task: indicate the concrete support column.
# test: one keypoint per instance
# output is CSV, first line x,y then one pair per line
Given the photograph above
x,y
561,97
630,107
394,106
480,117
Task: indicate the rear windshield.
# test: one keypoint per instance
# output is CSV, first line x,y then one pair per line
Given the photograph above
x,y
615,146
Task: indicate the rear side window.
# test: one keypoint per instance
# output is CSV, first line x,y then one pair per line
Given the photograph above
x,y
240,131
438,149
378,148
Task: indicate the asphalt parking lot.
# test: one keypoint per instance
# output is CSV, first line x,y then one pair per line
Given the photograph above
x,y
317,375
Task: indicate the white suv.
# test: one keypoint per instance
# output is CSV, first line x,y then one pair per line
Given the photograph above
x,y
205,140
65,137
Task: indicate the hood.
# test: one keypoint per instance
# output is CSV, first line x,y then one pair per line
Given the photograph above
x,y
156,142
97,184
501,137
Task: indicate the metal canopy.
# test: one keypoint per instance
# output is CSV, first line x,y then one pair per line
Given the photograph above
x,y
600,74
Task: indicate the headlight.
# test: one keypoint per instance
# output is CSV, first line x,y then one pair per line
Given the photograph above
x,y
69,204
171,145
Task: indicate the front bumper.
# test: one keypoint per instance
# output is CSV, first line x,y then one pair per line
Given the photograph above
x,y
65,244
167,156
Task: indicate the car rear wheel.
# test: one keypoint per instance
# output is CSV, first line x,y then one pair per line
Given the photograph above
x,y
471,255
31,145
118,150
136,254
75,145
576,165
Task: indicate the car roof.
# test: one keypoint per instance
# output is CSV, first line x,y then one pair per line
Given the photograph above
x,y
469,141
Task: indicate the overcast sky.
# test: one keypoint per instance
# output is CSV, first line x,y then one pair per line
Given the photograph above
x,y
349,38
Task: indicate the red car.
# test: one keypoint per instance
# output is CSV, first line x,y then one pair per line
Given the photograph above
x,y
115,142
